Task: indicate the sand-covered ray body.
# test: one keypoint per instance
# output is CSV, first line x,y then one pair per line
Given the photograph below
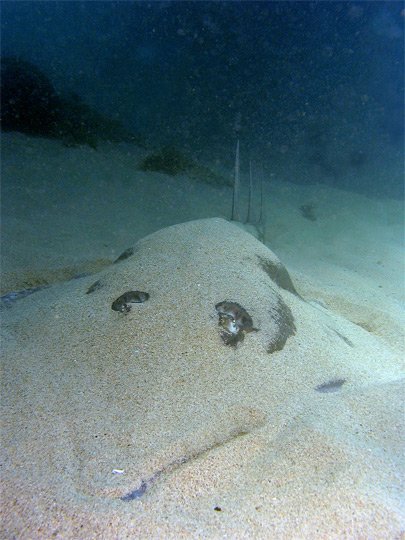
x,y
148,421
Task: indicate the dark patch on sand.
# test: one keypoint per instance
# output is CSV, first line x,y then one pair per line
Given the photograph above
x,y
136,493
8,300
95,287
124,255
342,337
278,273
282,317
332,386
244,422
308,211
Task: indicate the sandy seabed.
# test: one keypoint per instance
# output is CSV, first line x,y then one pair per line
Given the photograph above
x,y
146,424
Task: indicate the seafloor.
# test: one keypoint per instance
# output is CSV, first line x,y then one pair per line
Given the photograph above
x,y
147,424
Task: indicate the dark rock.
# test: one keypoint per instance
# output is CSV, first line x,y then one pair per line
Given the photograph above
x,y
31,105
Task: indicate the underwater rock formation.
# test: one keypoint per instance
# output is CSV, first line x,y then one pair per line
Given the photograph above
x,y
30,104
